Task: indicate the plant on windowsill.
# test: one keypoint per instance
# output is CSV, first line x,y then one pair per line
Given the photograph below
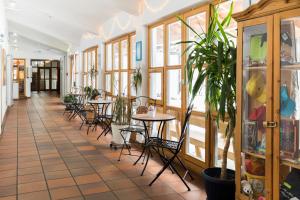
x,y
213,56
137,79
90,92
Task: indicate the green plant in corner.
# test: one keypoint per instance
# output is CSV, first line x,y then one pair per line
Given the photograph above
x,y
213,56
137,78
122,112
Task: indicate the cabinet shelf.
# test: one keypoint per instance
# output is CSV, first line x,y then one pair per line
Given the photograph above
x,y
255,155
290,67
255,68
291,164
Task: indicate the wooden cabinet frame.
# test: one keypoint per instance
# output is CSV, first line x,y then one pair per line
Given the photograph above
x,y
270,12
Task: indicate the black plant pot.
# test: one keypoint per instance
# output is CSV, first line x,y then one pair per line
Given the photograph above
x,y
216,188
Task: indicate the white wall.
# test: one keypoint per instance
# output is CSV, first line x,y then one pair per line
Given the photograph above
x,y
3,46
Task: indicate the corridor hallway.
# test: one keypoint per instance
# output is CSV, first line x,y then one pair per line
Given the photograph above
x,y
45,156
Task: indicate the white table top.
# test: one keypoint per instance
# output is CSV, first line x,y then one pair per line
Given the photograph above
x,y
153,117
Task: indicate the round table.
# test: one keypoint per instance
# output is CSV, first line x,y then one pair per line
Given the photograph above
x,y
152,117
102,117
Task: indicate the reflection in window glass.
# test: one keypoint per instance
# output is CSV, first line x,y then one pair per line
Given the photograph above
x,y
219,146
108,83
174,88
124,83
155,86
108,57
196,137
116,56
157,46
133,51
124,54
116,84
174,49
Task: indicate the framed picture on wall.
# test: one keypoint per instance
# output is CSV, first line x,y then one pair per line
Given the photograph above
x,y
3,67
139,51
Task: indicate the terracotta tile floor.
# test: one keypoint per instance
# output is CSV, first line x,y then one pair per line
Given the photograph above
x,y
45,156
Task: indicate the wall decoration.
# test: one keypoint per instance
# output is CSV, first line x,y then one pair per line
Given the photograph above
x,y
139,51
3,67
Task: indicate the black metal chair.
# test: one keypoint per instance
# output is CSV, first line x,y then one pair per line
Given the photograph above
x,y
139,105
174,148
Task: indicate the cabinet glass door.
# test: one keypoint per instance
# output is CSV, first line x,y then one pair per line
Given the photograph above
x,y
288,106
255,107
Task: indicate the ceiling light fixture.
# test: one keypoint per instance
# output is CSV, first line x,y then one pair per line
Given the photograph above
x,y
152,9
12,3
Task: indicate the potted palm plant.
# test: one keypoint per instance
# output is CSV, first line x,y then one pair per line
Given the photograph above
x,y
122,114
213,55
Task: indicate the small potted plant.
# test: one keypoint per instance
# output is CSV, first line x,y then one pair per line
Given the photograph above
x,y
122,114
213,56
137,79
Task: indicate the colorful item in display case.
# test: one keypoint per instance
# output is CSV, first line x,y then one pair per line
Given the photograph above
x,y
287,105
258,115
258,48
246,188
256,87
289,138
250,136
255,166
287,46
257,184
290,189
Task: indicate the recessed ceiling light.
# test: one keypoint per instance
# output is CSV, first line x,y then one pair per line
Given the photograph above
x,y
12,3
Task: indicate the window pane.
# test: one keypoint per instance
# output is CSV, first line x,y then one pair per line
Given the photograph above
x,y
116,55
219,146
54,84
54,73
34,63
116,84
174,49
41,63
174,88
85,62
132,88
108,57
47,63
199,101
155,86
124,83
108,83
196,137
174,126
224,7
157,46
124,54
133,51
54,64
198,23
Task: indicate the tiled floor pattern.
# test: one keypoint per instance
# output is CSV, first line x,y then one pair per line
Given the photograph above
x,y
44,156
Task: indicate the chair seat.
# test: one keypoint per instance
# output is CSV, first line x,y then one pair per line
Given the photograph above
x,y
133,128
162,143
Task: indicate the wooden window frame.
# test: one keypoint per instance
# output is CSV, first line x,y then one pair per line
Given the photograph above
x,y
89,51
129,70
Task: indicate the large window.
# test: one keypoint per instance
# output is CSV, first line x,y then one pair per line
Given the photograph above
x,y
120,65
90,67
166,82
74,75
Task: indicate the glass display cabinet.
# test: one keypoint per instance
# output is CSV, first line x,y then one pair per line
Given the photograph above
x,y
268,101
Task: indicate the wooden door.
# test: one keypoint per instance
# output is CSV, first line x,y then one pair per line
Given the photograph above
x,y
254,105
286,101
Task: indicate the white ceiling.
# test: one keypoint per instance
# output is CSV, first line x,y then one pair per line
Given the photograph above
x,y
65,20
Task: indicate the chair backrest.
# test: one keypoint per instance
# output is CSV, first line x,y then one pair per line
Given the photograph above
x,y
143,101
184,127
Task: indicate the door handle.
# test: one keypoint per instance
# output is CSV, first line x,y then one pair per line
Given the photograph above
x,y
268,124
